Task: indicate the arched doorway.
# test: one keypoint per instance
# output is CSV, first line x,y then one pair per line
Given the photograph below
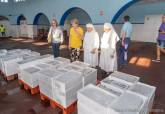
x,y
75,12
145,16
20,19
22,26
70,14
122,9
41,24
4,21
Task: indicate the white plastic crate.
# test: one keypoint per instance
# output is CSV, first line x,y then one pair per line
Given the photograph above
x,y
124,77
56,64
67,80
89,75
21,64
67,98
46,81
81,64
62,60
3,52
34,61
53,63
82,109
147,91
29,76
9,61
96,99
8,57
9,65
72,67
128,103
13,51
66,87
30,55
111,90
42,66
119,85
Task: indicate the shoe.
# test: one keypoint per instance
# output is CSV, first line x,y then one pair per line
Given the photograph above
x,y
156,61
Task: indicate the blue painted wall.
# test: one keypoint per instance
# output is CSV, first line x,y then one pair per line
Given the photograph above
x,y
139,11
56,9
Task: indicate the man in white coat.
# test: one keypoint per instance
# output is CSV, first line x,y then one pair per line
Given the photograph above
x,y
108,56
91,45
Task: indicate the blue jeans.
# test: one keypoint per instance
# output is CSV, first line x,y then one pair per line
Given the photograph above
x,y
161,43
123,52
56,49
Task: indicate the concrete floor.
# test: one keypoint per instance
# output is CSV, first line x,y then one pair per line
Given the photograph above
x,y
13,100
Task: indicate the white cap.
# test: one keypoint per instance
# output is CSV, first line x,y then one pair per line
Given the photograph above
x,y
107,25
89,25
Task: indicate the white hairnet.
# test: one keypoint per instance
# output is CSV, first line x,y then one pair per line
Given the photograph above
x,y
89,25
108,26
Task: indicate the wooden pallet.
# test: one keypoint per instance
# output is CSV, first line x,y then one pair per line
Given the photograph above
x,y
28,88
98,82
10,78
1,73
69,110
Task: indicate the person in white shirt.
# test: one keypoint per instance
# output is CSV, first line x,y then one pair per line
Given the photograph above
x,y
108,56
56,35
91,45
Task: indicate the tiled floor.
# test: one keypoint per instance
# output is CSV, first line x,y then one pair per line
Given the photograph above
x,y
16,101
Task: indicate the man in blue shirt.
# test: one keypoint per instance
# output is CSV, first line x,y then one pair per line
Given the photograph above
x,y
126,34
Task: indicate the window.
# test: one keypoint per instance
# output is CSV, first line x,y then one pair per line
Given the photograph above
x,y
5,1
19,0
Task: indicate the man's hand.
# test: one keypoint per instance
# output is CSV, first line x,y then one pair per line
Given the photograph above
x,y
112,56
123,43
76,30
78,33
161,31
93,51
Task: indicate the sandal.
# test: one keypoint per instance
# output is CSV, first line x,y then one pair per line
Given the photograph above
x,y
156,60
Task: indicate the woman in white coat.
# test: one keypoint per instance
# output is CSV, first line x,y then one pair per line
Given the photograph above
x,y
108,56
91,45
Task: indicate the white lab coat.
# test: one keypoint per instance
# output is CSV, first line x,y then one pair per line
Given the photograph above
x,y
91,41
57,35
108,49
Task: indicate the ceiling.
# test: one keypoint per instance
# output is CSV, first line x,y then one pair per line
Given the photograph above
x,y
149,1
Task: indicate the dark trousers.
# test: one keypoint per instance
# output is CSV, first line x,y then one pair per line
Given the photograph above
x,y
3,34
75,54
123,52
56,49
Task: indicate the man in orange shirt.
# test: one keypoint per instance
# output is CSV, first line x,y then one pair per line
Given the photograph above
x,y
75,40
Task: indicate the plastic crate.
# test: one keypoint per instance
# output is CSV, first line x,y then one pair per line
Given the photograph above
x,y
29,76
46,81
125,77
96,99
119,85
66,87
128,103
147,91
81,64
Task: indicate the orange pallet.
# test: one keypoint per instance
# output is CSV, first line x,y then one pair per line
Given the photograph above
x,y
27,87
1,73
69,110
98,82
10,78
